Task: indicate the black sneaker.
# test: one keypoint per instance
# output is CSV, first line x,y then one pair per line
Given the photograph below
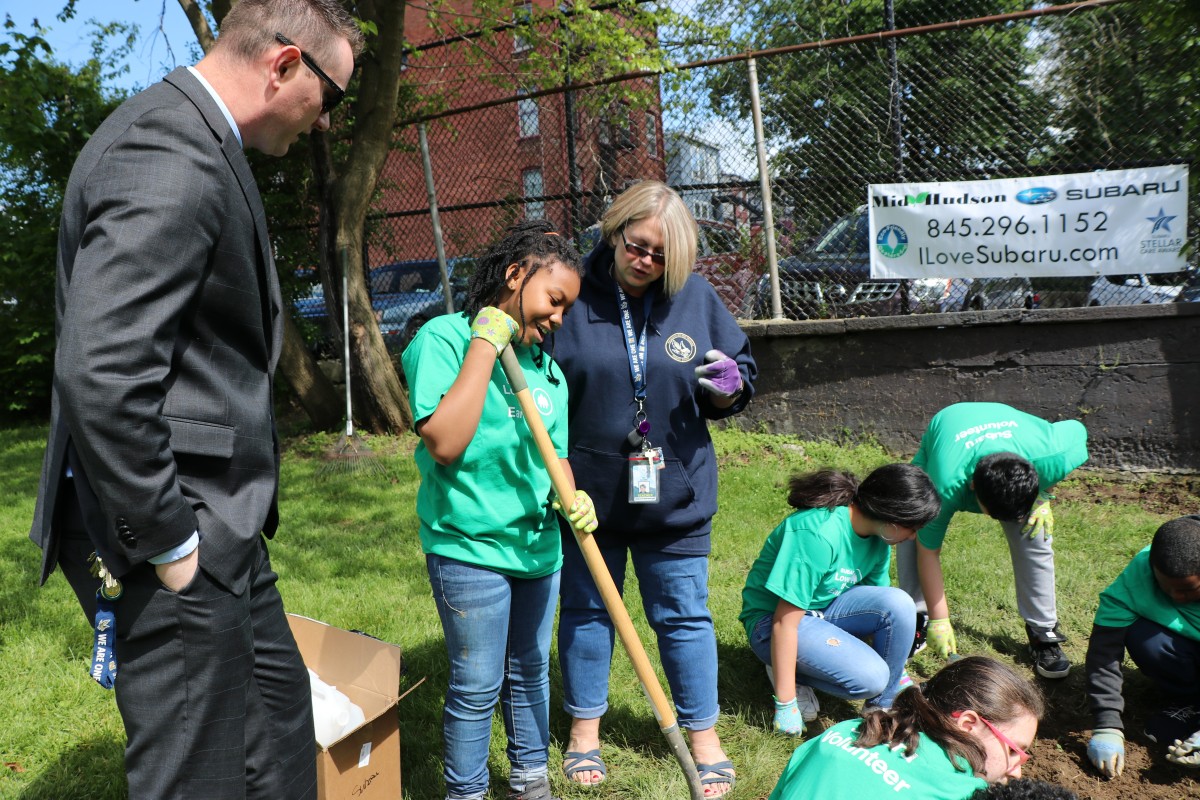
x,y
1048,658
919,638
1173,722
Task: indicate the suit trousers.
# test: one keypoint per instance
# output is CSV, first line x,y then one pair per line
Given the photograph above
x,y
1033,574
211,687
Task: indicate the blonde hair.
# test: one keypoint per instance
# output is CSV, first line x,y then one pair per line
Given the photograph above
x,y
655,200
249,29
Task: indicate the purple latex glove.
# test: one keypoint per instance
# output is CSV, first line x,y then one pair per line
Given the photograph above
x,y
719,375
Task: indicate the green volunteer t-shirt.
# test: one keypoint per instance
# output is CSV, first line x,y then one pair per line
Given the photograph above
x,y
808,560
831,767
491,507
1136,594
960,435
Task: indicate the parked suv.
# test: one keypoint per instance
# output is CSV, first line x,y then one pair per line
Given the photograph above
x,y
988,293
404,295
833,280
1132,290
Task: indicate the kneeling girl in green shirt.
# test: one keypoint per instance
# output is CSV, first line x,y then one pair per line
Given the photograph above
x,y
819,590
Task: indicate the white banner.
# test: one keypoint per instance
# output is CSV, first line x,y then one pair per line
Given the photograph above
x,y
1094,223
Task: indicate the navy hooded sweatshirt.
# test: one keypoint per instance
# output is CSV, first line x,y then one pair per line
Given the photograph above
x,y
590,349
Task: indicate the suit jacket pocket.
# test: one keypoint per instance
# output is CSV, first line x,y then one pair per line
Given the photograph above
x,y
201,438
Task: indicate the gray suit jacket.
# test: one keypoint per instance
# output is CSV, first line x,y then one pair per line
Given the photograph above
x,y
169,330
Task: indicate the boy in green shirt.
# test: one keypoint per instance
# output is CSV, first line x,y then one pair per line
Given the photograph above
x,y
1152,610
989,458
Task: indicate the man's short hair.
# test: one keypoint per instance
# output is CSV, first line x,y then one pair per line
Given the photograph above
x,y
1175,551
314,25
1006,485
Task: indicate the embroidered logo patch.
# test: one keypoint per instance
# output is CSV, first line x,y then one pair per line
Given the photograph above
x,y
681,347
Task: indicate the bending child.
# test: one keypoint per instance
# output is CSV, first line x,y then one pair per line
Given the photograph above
x,y
991,459
969,725
823,574
491,541
1152,610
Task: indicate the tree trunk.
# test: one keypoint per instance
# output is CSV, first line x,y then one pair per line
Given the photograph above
x,y
313,389
380,403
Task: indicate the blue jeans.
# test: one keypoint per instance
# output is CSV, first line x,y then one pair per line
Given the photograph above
x,y
1170,659
846,666
675,597
498,639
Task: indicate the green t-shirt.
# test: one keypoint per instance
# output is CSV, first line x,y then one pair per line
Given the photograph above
x,y
808,560
960,435
491,507
831,767
1135,594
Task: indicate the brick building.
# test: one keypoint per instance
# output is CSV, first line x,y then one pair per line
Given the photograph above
x,y
527,158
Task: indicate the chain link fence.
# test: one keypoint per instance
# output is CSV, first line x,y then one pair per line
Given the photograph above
x,y
1010,97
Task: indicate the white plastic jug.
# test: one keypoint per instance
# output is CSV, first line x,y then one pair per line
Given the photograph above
x,y
334,715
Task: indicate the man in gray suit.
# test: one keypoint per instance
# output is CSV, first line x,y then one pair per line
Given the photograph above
x,y
163,457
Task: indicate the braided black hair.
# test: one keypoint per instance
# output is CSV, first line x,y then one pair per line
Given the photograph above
x,y
532,244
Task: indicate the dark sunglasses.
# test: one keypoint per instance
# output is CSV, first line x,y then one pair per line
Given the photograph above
x,y
637,251
335,93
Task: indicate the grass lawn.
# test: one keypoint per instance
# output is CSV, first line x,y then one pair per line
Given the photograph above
x,y
348,554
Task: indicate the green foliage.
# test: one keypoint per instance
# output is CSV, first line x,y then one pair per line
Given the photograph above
x,y
556,45
829,113
1107,95
50,109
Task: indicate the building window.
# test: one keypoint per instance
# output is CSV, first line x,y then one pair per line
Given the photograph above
x,y
527,116
651,135
533,185
521,16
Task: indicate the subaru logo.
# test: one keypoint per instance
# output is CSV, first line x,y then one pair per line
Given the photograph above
x,y
1036,196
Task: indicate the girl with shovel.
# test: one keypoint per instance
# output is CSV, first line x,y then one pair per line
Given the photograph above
x,y
490,537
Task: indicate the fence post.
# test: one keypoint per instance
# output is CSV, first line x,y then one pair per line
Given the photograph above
x,y
436,220
764,183
889,22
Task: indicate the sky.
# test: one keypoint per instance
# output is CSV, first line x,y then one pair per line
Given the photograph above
x,y
71,40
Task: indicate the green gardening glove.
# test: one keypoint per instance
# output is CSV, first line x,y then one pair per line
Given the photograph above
x,y
495,327
1106,751
940,636
582,515
788,719
1041,518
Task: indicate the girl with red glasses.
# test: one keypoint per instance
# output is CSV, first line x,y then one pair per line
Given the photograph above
x,y
969,725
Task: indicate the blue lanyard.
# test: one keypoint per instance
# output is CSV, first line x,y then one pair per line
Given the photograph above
x,y
104,659
635,345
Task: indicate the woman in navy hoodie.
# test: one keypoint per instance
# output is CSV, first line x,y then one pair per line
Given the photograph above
x,y
650,354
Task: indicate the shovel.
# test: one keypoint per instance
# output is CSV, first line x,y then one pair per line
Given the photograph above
x,y
604,582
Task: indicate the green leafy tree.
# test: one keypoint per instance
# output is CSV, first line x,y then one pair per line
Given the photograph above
x,y
319,199
49,111
958,108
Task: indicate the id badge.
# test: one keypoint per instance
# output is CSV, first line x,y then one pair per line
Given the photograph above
x,y
643,477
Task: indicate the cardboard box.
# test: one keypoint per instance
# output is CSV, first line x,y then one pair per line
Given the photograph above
x,y
365,763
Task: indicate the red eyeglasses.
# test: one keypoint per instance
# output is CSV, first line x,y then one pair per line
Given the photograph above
x,y
637,251
1022,756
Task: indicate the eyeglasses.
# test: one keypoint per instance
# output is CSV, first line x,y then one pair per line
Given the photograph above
x,y
329,99
637,251
1022,756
